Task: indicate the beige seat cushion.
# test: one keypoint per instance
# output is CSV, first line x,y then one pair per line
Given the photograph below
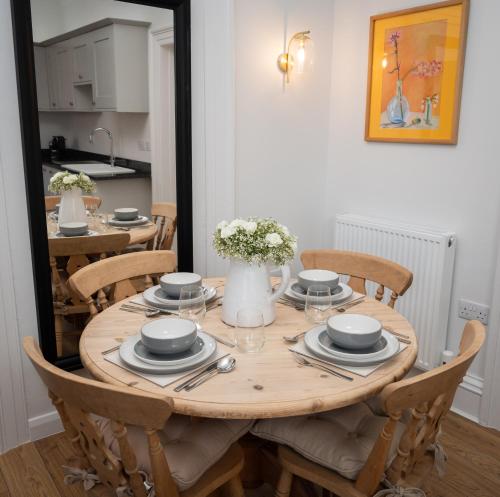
x,y
191,447
340,440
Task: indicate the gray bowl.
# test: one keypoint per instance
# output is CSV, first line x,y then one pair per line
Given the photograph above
x,y
126,213
353,331
310,277
169,335
172,283
73,228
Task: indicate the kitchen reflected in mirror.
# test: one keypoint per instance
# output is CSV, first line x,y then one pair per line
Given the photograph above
x,y
95,62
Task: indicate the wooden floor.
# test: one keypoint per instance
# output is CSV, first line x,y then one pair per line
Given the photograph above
x,y
34,469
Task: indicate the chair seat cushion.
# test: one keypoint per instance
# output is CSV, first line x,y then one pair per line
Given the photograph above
x,y
191,446
340,440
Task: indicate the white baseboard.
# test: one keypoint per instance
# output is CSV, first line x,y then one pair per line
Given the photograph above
x,y
44,425
467,401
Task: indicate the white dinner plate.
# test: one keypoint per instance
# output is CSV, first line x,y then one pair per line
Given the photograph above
x,y
344,294
327,344
134,222
165,298
88,233
143,354
151,299
311,340
128,356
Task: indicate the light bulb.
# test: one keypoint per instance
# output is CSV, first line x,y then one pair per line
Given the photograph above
x,y
301,57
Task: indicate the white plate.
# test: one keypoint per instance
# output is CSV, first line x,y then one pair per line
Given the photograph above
x,y
171,304
128,356
144,355
135,222
327,344
164,298
312,343
89,233
337,298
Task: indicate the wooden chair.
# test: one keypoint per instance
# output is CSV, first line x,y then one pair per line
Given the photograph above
x,y
424,400
73,254
163,214
116,272
90,202
362,268
109,448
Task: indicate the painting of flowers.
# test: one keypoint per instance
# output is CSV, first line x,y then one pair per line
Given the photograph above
x,y
416,64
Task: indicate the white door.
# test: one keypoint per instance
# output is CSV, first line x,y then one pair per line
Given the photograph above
x,y
62,65
83,63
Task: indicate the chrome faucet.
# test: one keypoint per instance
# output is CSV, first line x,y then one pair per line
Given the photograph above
x,y
110,136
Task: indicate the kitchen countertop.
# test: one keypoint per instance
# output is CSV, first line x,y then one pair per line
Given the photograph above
x,y
142,169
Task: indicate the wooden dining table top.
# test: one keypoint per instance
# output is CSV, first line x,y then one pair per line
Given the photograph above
x,y
138,234
266,384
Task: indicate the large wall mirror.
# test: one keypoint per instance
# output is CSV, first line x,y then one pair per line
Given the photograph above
x,y
105,103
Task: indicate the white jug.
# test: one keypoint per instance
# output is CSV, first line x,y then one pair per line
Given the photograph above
x,y
249,286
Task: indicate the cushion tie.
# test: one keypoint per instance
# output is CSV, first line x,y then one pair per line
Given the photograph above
x,y
126,491
440,457
74,475
397,491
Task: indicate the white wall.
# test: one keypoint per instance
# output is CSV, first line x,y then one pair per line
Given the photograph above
x,y
282,133
454,187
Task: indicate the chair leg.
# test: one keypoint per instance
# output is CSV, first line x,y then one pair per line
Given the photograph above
x,y
284,485
234,488
58,325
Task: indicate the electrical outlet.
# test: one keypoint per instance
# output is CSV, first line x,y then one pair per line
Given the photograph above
x,y
141,145
473,310
147,146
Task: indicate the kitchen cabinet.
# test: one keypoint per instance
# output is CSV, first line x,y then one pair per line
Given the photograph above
x,y
42,78
99,67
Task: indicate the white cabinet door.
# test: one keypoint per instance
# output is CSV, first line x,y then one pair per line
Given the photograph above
x,y
83,63
104,71
42,81
61,78
52,78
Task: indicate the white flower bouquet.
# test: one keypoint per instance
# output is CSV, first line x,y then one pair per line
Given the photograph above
x,y
255,240
64,181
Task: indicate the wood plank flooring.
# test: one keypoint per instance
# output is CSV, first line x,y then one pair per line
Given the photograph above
x,y
34,469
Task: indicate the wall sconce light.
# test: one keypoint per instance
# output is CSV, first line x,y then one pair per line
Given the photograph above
x,y
298,55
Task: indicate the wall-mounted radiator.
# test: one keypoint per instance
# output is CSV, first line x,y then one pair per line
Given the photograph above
x,y
429,254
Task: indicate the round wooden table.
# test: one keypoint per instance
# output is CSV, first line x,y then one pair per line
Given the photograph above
x,y
138,234
266,384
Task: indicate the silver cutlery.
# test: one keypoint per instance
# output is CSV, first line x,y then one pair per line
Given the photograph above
x,y
348,305
148,312
305,362
294,338
391,330
198,375
218,339
224,365
112,349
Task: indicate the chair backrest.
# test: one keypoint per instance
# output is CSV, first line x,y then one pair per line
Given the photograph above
x,y
75,398
90,201
164,215
362,268
428,398
118,271
78,250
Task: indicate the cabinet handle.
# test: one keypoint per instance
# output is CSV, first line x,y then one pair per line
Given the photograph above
x,y
71,103
53,104
80,76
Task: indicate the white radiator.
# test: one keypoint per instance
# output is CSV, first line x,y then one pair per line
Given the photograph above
x,y
429,254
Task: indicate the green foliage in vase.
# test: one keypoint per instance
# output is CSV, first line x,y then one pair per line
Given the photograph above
x,y
64,181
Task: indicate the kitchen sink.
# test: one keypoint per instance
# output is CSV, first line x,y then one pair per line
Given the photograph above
x,y
94,168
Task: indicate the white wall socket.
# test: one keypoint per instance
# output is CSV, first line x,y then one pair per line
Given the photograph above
x,y
472,310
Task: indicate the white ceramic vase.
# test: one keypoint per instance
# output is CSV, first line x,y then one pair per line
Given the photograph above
x,y
72,207
249,286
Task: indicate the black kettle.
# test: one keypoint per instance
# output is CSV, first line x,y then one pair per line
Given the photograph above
x,y
57,147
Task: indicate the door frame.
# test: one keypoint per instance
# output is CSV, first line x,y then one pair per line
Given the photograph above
x,y
30,134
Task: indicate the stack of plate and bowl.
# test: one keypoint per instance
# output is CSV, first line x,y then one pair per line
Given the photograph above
x,y
74,228
297,291
352,340
126,217
166,295
167,346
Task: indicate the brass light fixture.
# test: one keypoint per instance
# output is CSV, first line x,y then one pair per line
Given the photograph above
x,y
297,56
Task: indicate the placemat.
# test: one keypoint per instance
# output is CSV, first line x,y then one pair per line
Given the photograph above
x,y
364,371
163,380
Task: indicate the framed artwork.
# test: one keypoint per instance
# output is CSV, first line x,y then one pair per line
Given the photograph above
x,y
416,61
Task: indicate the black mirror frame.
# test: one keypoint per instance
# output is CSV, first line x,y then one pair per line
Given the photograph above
x,y
30,133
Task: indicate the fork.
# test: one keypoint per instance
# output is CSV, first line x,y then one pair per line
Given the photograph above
x,y
304,362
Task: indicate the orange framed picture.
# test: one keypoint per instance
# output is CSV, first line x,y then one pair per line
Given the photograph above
x,y
416,62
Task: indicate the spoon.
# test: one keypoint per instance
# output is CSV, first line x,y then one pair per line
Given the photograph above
x,y
225,365
295,338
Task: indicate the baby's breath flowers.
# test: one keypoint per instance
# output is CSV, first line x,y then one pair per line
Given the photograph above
x,y
64,181
255,240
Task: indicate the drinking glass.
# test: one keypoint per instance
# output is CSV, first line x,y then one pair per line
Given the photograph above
x,y
249,333
192,303
318,303
104,222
